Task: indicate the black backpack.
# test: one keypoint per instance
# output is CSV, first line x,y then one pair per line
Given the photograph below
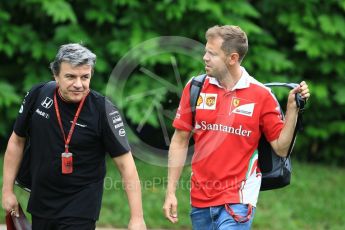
x,y
276,170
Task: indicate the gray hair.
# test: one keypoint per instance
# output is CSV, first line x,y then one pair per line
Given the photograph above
x,y
74,54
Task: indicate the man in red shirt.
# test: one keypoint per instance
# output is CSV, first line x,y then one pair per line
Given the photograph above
x,y
232,112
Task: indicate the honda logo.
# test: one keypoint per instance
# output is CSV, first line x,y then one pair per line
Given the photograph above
x,y
47,103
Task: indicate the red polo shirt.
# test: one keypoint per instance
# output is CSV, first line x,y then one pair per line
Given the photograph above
x,y
228,126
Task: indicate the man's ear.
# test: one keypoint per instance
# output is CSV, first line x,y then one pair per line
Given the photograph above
x,y
233,58
56,78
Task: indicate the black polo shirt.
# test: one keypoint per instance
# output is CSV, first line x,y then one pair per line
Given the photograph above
x,y
99,130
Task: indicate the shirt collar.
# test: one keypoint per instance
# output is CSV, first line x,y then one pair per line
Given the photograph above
x,y
243,83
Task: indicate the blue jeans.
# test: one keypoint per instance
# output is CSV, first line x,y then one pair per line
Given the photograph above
x,y
218,217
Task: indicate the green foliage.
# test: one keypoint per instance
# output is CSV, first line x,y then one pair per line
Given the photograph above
x,y
59,11
312,35
7,95
8,98
290,41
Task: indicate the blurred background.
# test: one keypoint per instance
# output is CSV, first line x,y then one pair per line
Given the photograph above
x,y
148,50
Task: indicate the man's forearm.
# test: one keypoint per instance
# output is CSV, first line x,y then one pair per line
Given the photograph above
x,y
12,160
286,135
133,191
130,178
177,157
282,144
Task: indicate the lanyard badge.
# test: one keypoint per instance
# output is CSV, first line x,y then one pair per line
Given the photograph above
x,y
67,156
67,163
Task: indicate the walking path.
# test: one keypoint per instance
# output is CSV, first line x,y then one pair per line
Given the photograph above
x,y
3,227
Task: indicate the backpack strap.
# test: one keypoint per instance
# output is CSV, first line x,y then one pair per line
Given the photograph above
x,y
43,88
195,89
198,81
23,178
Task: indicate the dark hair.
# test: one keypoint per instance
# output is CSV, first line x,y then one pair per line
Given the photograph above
x,y
234,39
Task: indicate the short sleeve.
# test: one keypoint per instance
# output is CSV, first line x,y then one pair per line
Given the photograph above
x,y
113,131
21,125
183,118
271,120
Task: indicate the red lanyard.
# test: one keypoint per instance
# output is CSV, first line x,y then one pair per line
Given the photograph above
x,y
68,140
238,218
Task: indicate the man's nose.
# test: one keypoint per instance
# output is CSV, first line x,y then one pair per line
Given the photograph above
x,y
77,83
206,57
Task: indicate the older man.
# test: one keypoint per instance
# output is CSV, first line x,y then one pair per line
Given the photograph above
x,y
69,128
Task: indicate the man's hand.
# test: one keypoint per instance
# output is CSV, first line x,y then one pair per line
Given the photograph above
x,y
137,224
303,90
10,203
170,208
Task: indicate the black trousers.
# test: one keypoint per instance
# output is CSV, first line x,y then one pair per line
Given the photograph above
x,y
66,223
